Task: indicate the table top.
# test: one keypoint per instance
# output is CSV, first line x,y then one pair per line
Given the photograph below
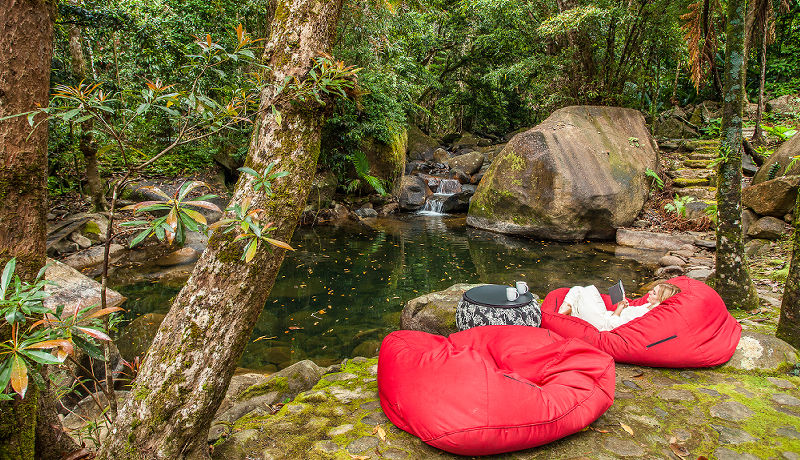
x,y
494,295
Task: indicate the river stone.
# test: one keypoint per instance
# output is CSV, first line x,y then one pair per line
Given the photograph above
x,y
785,400
137,336
788,432
327,447
669,271
457,202
434,313
782,156
469,163
74,290
783,384
669,394
366,212
412,193
774,197
93,256
361,444
652,240
668,260
441,155
731,411
761,352
80,240
723,453
768,228
623,447
579,174
728,435
180,256
420,146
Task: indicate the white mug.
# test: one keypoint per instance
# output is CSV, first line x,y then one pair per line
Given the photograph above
x,y
522,287
512,294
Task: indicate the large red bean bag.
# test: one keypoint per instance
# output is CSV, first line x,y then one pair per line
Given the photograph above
x,y
492,389
690,329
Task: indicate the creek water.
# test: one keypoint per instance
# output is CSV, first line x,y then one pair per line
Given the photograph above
x,y
343,289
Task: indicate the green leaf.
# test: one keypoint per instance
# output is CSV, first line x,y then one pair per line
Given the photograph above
x,y
41,357
5,373
91,349
8,272
249,171
140,237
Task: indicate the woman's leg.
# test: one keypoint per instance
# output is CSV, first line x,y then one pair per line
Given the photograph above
x,y
589,306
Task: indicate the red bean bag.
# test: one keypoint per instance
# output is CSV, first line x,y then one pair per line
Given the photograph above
x,y
690,329
492,389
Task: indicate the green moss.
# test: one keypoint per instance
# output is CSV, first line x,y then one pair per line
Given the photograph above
x,y
517,163
278,384
687,182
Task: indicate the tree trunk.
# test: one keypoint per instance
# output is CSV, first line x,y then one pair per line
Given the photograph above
x,y
789,322
758,134
732,280
26,47
187,370
86,143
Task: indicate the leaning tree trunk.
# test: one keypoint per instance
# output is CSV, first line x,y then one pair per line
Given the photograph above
x,y
188,368
789,322
732,279
26,47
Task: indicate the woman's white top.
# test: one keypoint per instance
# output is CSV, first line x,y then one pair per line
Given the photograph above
x,y
588,305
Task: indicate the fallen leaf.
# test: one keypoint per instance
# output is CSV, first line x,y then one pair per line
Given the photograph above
x,y
679,450
359,457
294,328
626,428
637,373
381,433
599,430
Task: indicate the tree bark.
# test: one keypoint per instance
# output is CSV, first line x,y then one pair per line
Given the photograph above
x,y
26,47
758,134
732,280
187,370
789,321
86,143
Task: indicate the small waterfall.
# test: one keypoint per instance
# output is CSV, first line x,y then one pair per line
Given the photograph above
x,y
446,189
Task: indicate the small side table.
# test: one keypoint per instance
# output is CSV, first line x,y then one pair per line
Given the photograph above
x,y
487,305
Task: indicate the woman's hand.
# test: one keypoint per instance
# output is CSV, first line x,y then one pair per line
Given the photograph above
x,y
623,304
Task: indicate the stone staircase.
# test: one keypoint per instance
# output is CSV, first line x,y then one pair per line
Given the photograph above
x,y
691,169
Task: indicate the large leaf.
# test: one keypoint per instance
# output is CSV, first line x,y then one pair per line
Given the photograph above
x,y
41,357
251,250
204,204
104,312
196,216
155,190
91,349
19,375
8,273
95,333
279,243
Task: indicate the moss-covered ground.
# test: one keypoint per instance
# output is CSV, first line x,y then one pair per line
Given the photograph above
x,y
657,413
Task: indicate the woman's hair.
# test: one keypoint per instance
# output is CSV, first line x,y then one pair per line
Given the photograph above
x,y
667,290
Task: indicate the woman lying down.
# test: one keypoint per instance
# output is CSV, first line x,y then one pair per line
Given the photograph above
x,y
586,303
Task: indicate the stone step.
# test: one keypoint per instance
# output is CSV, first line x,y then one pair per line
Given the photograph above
x,y
689,173
701,144
697,164
702,156
703,193
681,182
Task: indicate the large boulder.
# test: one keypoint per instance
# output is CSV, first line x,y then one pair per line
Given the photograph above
x,y
774,197
74,290
412,193
420,145
387,161
782,157
761,352
434,313
580,174
674,124
470,163
766,228
786,104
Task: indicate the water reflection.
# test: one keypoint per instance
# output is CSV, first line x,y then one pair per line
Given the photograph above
x,y
343,289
